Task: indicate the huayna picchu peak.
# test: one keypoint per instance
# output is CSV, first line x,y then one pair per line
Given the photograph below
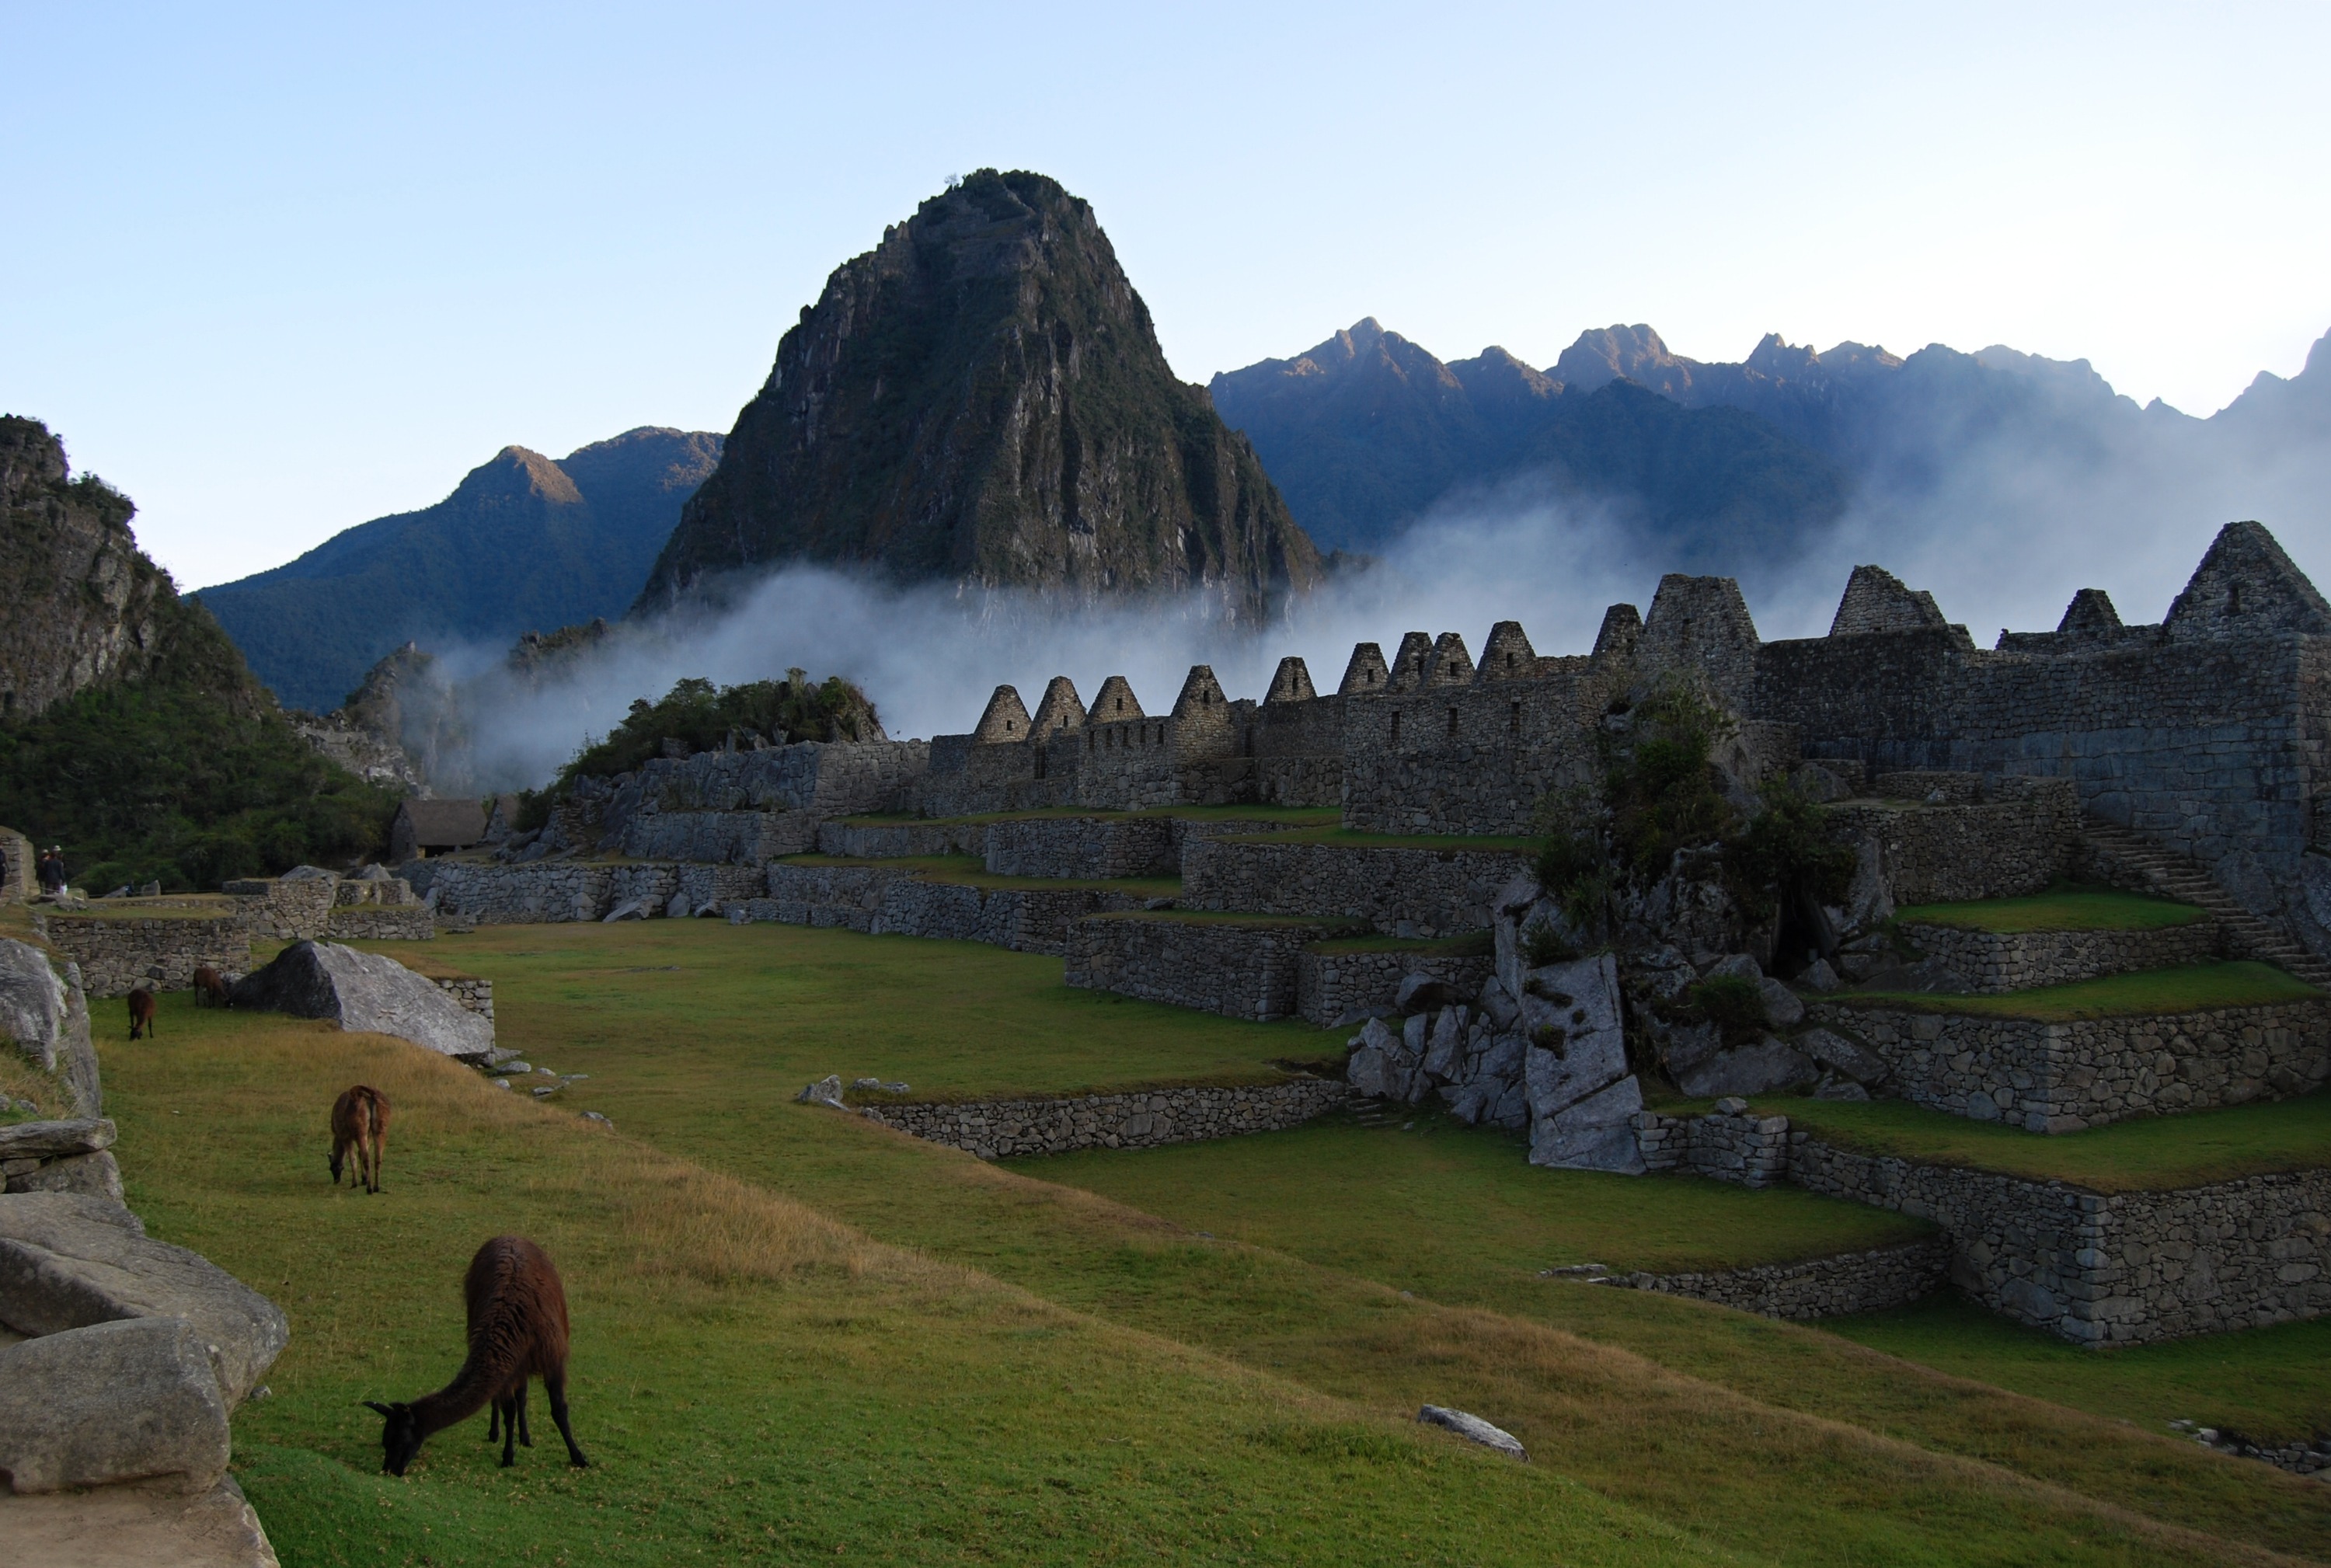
x,y
982,399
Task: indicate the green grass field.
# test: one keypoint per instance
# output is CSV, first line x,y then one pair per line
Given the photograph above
x,y
2148,1153
797,1331
2146,992
2064,909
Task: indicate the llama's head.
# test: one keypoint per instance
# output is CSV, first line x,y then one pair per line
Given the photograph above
x,y
400,1435
335,1160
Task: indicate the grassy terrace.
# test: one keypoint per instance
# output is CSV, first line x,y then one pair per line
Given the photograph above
x,y
2066,908
2189,988
1044,1374
970,872
2149,1154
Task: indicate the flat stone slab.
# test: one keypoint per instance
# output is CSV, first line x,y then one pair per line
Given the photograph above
x,y
133,1527
367,993
1473,1428
128,1401
68,1261
55,1140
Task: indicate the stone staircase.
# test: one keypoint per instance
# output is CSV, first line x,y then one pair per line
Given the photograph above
x,y
2141,863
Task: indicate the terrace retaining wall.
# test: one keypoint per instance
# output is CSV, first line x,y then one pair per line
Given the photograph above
x,y
118,953
477,996
1750,1150
1235,969
1993,963
1335,986
716,837
1146,1118
880,900
2020,839
543,892
1087,848
381,923
899,840
2056,1078
1811,1287
1405,892
288,909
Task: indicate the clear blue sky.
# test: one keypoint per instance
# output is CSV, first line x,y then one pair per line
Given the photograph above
x,y
276,270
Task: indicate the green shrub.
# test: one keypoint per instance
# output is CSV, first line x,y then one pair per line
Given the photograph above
x,y
1785,851
1543,942
1659,784
703,717
1732,1003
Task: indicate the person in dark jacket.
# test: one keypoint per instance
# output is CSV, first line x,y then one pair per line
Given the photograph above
x,y
53,872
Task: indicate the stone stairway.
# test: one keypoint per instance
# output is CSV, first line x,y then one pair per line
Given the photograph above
x,y
2156,868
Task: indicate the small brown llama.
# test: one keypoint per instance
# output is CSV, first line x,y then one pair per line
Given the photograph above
x,y
210,988
518,1331
141,1013
360,1125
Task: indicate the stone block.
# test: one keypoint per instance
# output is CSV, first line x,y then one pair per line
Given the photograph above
x,y
132,1400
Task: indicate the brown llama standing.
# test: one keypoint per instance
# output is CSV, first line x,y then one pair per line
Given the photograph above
x,y
210,988
518,1331
360,1124
141,1013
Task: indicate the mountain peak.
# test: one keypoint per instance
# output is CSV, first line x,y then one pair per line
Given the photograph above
x,y
1636,353
518,473
982,398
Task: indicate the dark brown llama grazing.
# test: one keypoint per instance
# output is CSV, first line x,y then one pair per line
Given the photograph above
x,y
518,1331
141,1013
360,1124
210,988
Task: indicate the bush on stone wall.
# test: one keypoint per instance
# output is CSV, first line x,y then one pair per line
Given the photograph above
x,y
702,717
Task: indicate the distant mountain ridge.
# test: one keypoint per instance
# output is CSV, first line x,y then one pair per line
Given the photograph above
x,y
523,543
1367,432
981,399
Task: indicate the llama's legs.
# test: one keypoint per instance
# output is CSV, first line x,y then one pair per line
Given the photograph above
x,y
524,1433
555,1385
510,1431
494,1420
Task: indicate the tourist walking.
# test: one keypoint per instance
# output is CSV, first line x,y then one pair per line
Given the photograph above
x,y
53,872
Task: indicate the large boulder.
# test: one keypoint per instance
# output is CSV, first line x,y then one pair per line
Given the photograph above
x,y
1571,1018
47,1019
1595,1134
68,1260
124,1401
55,1140
366,993
1834,1050
1767,1066
96,1175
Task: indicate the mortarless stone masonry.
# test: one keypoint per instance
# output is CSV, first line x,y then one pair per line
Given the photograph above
x,y
1139,1119
1338,983
120,953
1402,891
1752,1151
1993,963
1240,969
2057,1077
1812,1287
888,900
477,996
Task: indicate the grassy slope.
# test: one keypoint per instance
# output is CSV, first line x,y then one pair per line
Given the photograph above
x,y
2068,908
2146,1154
1623,1425
751,1379
2188,988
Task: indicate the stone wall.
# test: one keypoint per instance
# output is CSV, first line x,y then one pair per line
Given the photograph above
x,y
1083,847
118,953
476,995
1143,1118
288,909
1334,987
546,891
882,900
2018,840
381,923
733,838
900,841
1405,892
1997,961
2058,1077
1236,968
18,883
2101,1268
1809,1287
1470,759
1749,1151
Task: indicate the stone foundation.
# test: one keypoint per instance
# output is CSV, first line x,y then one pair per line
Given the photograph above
x,y
721,838
1086,848
881,900
295,910
477,996
900,841
1811,1287
118,953
2058,1077
1330,987
1405,892
999,1129
2022,839
1237,969
1750,1150
1995,963
529,895
379,923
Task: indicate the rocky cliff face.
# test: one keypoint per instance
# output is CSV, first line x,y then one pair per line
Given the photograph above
x,y
982,399
77,599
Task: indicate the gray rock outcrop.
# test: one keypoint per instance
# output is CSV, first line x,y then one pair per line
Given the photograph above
x,y
69,1260
1765,1067
124,1401
363,992
47,1018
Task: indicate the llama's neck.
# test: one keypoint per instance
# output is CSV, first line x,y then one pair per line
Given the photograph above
x,y
463,1398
